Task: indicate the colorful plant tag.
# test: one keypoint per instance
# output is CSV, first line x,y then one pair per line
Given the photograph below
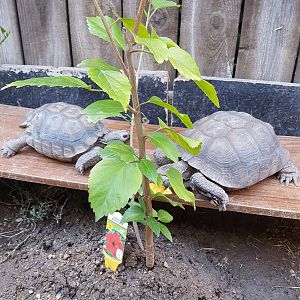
x,y
115,238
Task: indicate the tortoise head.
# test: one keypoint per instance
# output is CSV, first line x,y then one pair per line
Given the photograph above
x,y
117,135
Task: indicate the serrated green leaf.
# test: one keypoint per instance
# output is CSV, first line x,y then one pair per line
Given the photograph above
x,y
103,109
160,196
129,24
148,169
184,63
185,119
118,151
111,183
97,28
190,145
157,47
169,42
166,232
209,90
133,214
114,83
97,63
161,141
4,33
59,81
157,4
153,224
142,203
177,185
153,32
154,213
164,216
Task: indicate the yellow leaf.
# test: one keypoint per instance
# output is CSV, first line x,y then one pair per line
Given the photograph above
x,y
159,189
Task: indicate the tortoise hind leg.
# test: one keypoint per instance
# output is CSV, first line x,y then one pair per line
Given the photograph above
x,y
199,183
88,159
11,147
288,174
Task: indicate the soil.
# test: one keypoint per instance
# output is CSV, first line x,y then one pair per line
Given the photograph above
x,y
213,256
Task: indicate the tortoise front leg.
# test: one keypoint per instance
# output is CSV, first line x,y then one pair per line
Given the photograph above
x,y
11,147
200,184
288,174
88,159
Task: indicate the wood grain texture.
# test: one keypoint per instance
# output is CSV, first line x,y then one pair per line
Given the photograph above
x,y
165,22
44,30
85,45
265,198
269,40
209,31
11,50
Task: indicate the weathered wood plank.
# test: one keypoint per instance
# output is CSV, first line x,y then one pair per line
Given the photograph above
x,y
165,22
265,198
273,102
11,50
44,30
85,45
269,40
209,31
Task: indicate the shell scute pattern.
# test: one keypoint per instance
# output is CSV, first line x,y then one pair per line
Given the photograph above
x,y
60,131
238,150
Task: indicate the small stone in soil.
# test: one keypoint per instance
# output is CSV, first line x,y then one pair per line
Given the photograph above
x,y
47,245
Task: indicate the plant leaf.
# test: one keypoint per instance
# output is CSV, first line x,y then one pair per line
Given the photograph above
x,y
185,119
153,224
97,28
4,33
166,232
112,82
103,109
118,151
163,4
190,145
97,63
129,24
148,169
169,42
111,183
161,141
157,47
133,214
164,216
209,90
177,185
165,198
184,63
59,81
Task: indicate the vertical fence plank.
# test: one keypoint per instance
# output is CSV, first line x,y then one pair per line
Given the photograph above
x,y
165,22
269,40
11,49
84,45
209,31
44,31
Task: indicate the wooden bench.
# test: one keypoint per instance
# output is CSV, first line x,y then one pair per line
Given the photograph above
x,y
265,198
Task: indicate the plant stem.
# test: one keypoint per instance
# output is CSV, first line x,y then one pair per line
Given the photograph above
x,y
111,38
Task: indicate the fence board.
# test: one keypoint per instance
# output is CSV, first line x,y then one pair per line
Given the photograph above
x,y
11,50
297,72
209,31
165,22
84,45
44,30
269,40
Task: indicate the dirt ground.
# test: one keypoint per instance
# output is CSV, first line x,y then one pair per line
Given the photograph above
x,y
54,249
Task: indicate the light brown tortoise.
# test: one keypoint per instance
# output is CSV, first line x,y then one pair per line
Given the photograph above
x,y
60,131
238,151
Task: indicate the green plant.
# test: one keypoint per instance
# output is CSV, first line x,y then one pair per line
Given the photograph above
x,y
3,34
122,173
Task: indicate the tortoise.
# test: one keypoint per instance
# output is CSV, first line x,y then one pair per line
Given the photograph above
x,y
60,131
238,151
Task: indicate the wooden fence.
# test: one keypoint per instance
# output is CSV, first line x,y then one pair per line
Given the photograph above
x,y
254,39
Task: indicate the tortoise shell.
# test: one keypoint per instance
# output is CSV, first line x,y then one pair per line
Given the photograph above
x,y
238,150
60,130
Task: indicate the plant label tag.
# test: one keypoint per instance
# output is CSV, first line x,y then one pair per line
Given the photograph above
x,y
114,243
